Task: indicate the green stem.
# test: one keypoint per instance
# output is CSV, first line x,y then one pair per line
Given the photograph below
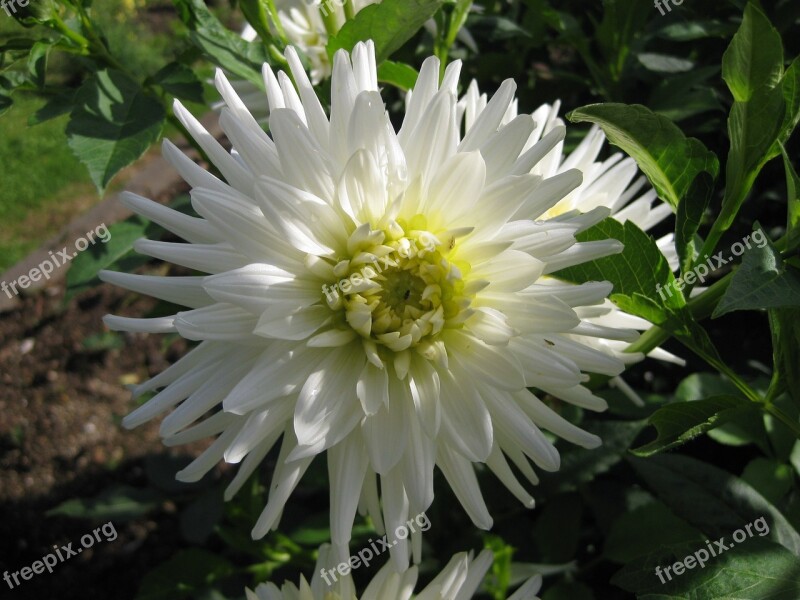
x,y
276,20
68,33
349,9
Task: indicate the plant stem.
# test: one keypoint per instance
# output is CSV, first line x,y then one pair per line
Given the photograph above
x,y
276,20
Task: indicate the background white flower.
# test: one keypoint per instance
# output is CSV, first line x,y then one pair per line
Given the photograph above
x,y
383,296
615,184
304,23
459,580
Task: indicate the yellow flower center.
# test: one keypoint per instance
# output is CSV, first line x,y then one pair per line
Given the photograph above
x,y
398,287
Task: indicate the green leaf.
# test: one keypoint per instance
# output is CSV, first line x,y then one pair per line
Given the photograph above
x,y
85,266
219,44
791,96
772,479
762,281
670,160
754,128
711,499
119,503
784,324
180,81
756,569
754,59
793,201
186,575
644,530
681,422
663,63
113,123
741,429
759,119
55,107
690,217
37,61
687,31
398,74
641,275
389,24
795,457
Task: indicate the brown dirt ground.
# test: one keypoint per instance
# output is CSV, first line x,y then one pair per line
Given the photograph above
x,y
61,438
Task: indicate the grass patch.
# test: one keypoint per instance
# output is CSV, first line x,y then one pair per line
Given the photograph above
x,y
43,186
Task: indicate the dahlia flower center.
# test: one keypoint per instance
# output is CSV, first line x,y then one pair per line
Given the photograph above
x,y
398,287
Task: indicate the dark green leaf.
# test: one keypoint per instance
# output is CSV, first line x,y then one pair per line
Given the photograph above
x,y
390,24
186,575
762,281
113,123
120,503
670,160
219,44
690,217
180,81
756,569
681,422
84,268
55,107
793,201
741,429
711,499
791,96
772,479
785,327
644,530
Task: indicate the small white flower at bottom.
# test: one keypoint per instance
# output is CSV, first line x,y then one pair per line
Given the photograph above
x,y
459,580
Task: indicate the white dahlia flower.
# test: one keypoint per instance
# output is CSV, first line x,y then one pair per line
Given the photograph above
x,y
615,184
383,296
459,580
304,23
